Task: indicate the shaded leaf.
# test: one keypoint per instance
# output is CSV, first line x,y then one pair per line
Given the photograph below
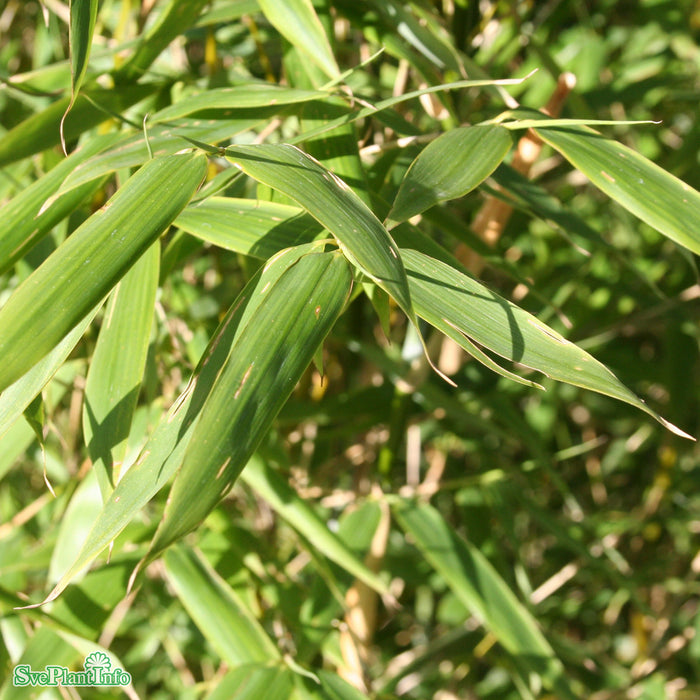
x,y
449,167
480,587
270,486
218,612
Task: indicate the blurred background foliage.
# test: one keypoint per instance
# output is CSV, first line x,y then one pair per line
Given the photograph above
x,y
588,509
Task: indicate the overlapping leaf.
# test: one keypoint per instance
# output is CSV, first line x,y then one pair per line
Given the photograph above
x,y
163,453
90,262
117,367
329,200
266,362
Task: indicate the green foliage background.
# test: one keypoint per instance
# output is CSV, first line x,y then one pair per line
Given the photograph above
x,y
241,269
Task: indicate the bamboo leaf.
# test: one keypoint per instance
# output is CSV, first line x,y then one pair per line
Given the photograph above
x,y
449,167
642,187
117,366
360,235
269,485
132,150
252,227
19,395
266,362
163,453
26,217
480,587
172,21
451,300
253,681
236,98
218,612
297,21
83,14
77,276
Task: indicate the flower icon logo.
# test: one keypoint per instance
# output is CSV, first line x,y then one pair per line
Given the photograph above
x,y
97,660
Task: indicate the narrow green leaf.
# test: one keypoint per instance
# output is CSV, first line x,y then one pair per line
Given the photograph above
x,y
268,484
479,586
266,362
175,19
218,612
359,233
449,167
642,187
163,453
77,276
132,150
83,14
248,226
27,218
235,98
297,21
19,395
252,682
117,366
43,129
451,300
330,686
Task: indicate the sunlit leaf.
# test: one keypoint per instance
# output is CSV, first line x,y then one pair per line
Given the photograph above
x,y
265,363
89,263
648,191
298,22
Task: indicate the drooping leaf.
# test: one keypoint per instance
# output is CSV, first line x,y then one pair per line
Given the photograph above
x,y
77,276
451,300
449,167
267,360
482,590
642,187
329,200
